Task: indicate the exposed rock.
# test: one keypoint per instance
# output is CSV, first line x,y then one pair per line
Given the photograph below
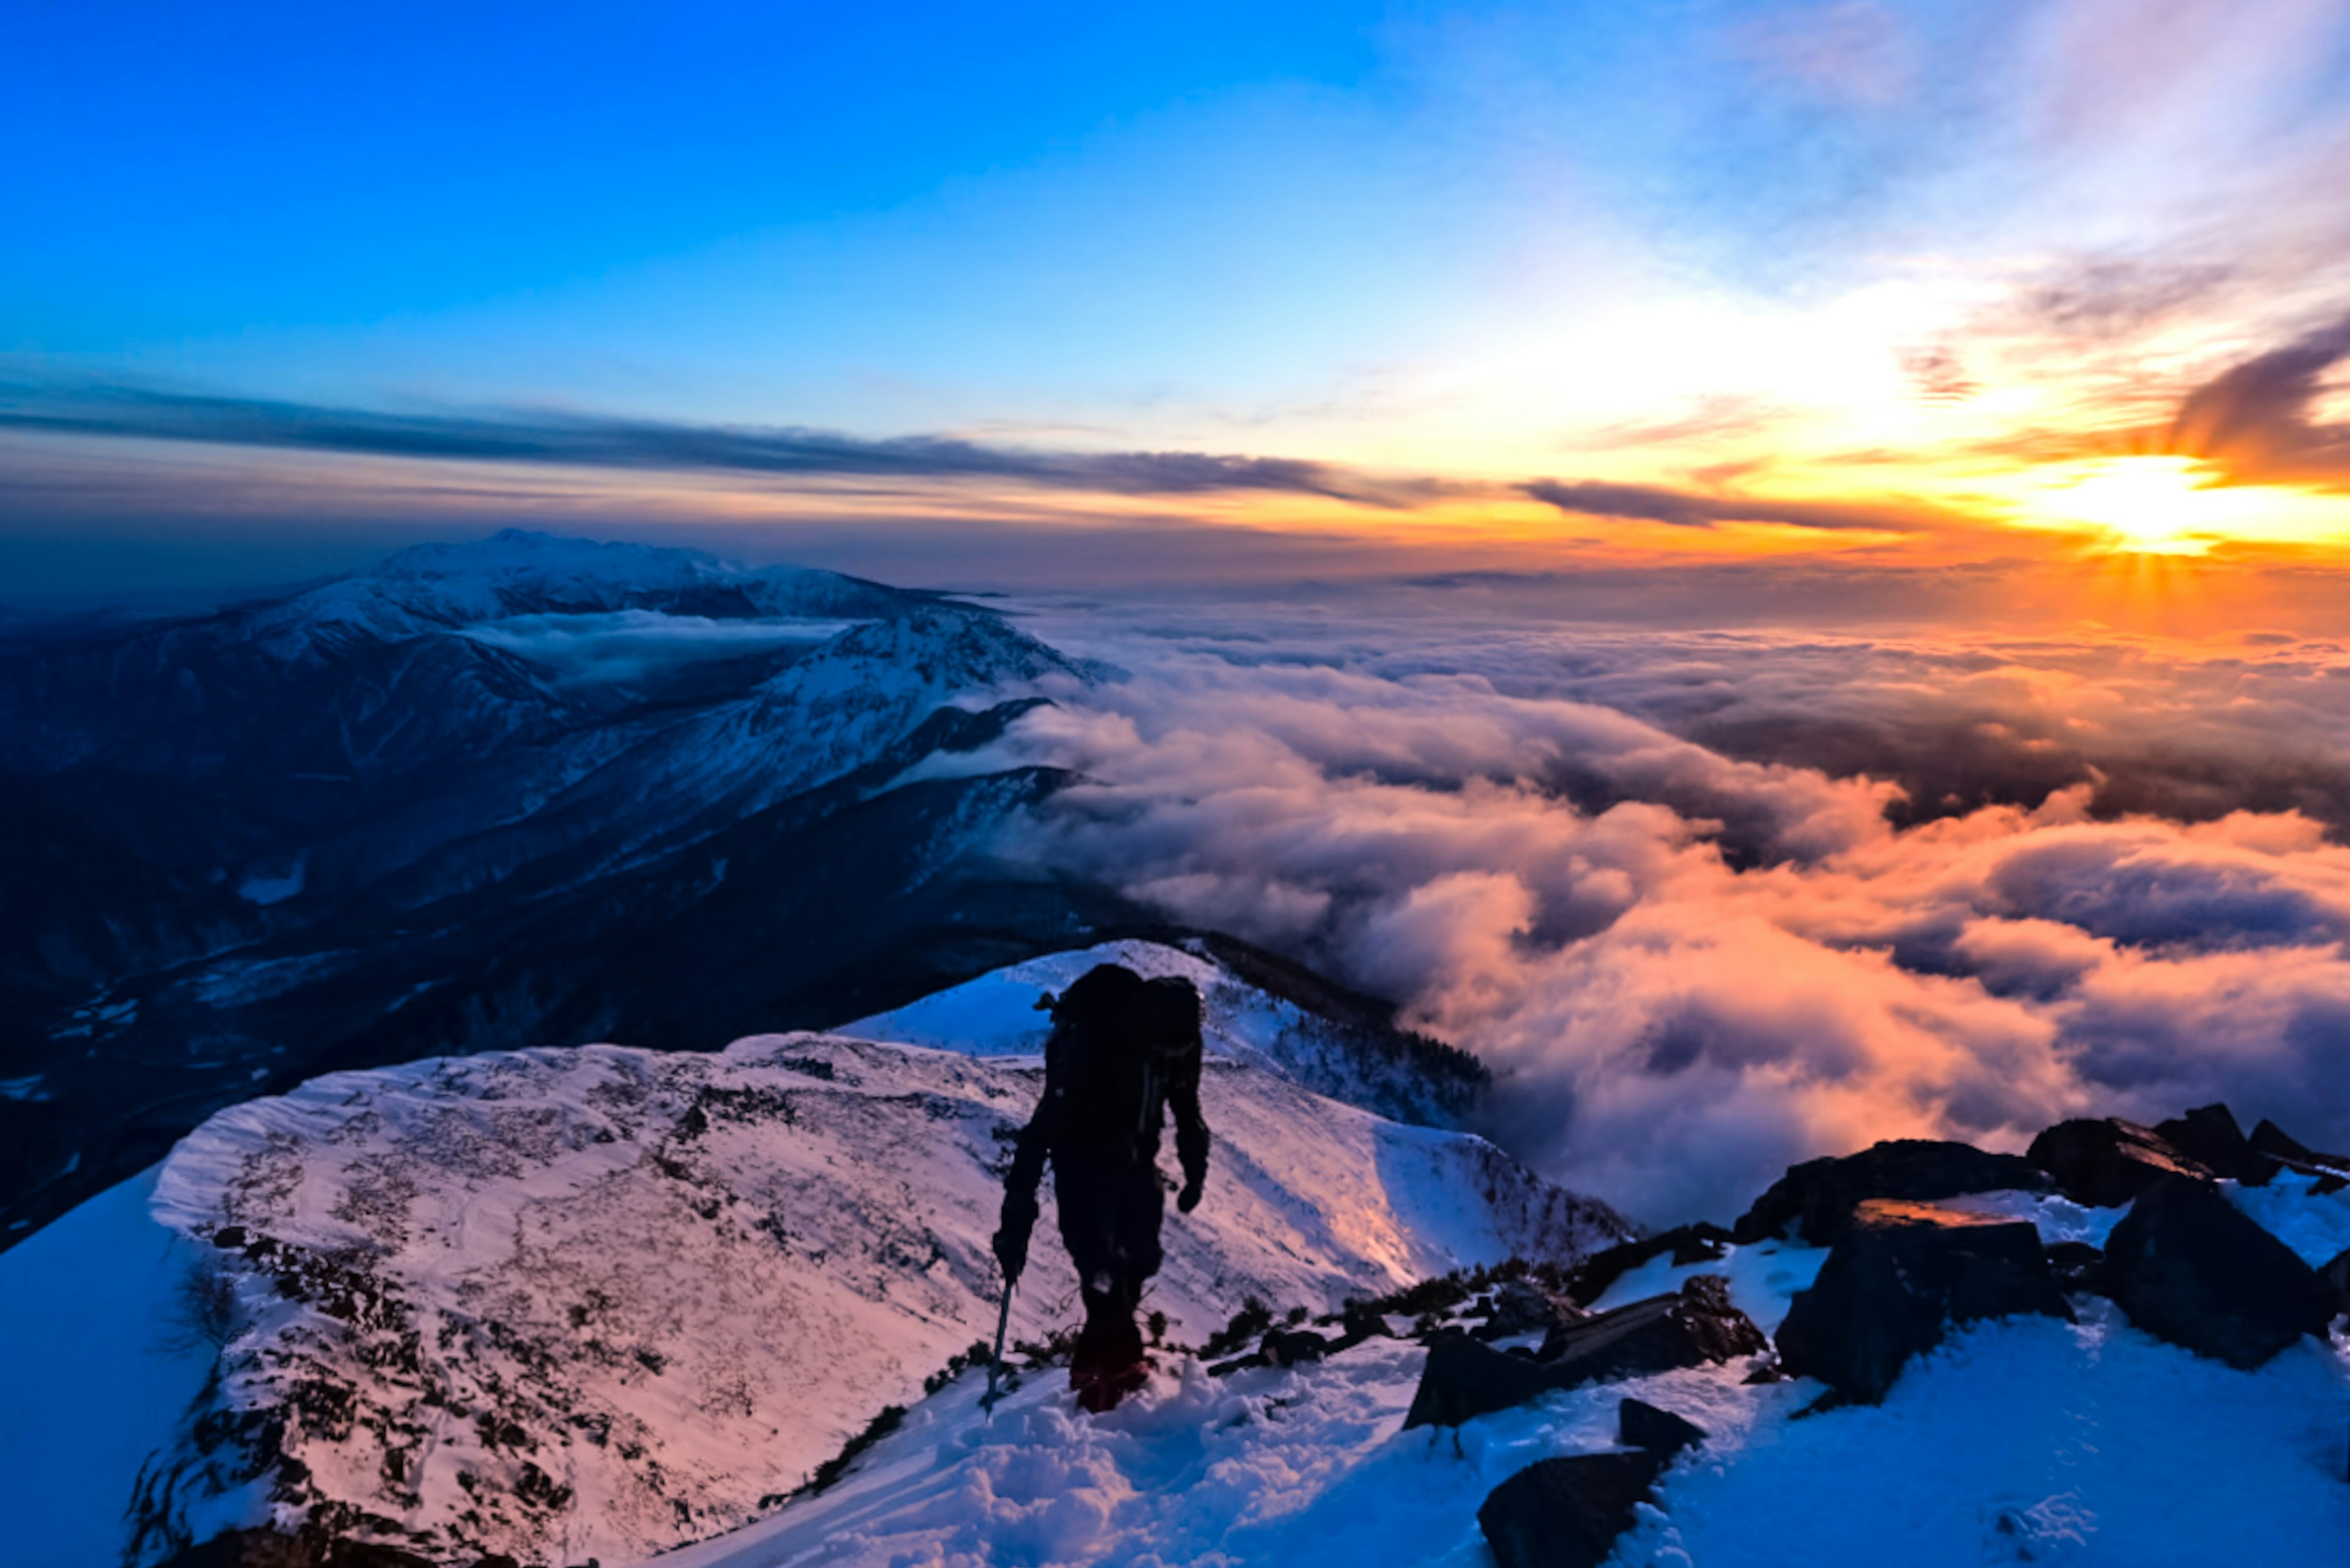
x,y
1464,1379
1686,1244
2337,1275
1520,1306
2079,1266
1566,1513
2191,1268
1696,1326
2107,1163
308,1547
2209,1136
1822,1193
2287,1150
1894,1285
1662,1433
1289,1346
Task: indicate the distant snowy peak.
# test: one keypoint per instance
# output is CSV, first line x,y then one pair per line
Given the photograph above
x,y
440,587
600,1301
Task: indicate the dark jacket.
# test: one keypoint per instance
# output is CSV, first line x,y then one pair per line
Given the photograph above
x,y
1123,1053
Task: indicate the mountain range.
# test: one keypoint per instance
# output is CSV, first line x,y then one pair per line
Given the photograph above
x,y
483,796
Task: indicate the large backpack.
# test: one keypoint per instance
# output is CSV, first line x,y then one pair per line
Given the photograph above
x,y
1117,1040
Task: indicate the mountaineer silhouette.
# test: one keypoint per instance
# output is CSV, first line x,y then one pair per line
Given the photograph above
x,y
1123,1052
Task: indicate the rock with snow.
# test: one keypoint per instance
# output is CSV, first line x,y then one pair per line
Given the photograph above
x,y
1522,1307
1641,1425
2107,1162
1684,1245
1566,1512
1696,1326
2337,1275
1892,1288
600,1301
2191,1268
2281,1146
1820,1195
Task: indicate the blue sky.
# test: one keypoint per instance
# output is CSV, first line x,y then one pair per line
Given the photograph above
x,y
1684,241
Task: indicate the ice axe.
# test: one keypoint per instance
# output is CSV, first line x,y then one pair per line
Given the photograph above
x,y
996,1362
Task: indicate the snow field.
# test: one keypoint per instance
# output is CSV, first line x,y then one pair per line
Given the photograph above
x,y
2024,1442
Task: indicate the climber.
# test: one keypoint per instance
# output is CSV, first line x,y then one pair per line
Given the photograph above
x,y
1122,1051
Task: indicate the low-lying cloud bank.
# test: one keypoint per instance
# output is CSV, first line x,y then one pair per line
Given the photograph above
x,y
1692,967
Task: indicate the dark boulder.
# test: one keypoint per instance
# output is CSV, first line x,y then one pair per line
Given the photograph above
x,y
1291,1346
1892,1287
2078,1265
1520,1306
2107,1163
2337,1275
1643,1426
1464,1378
1693,1327
1685,1244
1566,1513
306,1548
2191,1268
2287,1150
1821,1194
2209,1136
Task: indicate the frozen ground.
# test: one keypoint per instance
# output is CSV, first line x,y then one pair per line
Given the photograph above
x,y
2030,1442
600,1301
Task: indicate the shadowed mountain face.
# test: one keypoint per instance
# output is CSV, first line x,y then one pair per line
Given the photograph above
x,y
529,790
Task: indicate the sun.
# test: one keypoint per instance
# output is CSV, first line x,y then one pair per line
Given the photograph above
x,y
2153,506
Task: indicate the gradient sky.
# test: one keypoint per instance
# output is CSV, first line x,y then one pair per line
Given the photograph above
x,y
1065,295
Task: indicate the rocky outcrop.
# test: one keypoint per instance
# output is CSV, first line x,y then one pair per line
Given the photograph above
x,y
1820,1195
1464,1379
1893,1286
2273,1141
2191,1268
1522,1306
1685,1244
2107,1163
1643,1426
264,1548
1568,1513
2209,1136
2337,1275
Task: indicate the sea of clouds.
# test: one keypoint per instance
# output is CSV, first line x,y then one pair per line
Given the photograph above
x,y
1710,903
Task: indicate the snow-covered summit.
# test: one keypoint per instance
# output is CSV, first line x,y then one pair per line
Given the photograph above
x,y
601,1301
515,573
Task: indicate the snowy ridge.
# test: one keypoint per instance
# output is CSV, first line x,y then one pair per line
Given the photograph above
x,y
998,1015
602,1301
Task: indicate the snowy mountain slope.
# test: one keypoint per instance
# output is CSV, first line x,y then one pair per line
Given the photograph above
x,y
396,814
2027,1440
601,1301
1378,1069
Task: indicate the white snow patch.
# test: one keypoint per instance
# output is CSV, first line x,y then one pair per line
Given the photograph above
x,y
96,1375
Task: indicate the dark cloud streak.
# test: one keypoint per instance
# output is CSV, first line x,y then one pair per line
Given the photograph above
x,y
580,441
1687,509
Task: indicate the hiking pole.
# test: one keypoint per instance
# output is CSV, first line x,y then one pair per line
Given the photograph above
x,y
996,1364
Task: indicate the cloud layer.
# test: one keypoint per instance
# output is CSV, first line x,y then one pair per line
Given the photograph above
x,y
1693,967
